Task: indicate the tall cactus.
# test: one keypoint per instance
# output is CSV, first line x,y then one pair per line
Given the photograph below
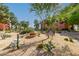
x,y
17,41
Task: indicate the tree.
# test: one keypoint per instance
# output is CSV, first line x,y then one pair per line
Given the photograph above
x,y
70,13
4,10
36,24
13,20
7,17
44,10
24,24
74,19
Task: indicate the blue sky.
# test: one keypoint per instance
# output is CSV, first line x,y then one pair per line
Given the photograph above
x,y
21,10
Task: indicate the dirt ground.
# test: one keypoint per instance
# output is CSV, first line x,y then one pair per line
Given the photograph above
x,y
28,46
6,42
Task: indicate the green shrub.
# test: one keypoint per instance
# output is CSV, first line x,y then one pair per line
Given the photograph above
x,y
48,47
23,32
27,30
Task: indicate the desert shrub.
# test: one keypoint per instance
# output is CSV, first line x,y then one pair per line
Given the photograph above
x,y
8,31
23,32
71,40
40,46
5,36
66,39
28,30
48,47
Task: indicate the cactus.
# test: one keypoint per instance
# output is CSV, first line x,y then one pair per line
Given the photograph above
x,y
17,41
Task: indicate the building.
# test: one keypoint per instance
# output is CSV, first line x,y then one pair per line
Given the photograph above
x,y
59,25
4,26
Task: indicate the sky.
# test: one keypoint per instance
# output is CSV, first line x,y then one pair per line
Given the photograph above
x,y
22,12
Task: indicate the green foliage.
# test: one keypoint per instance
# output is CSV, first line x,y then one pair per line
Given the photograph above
x,y
74,19
70,13
43,10
46,47
36,24
8,17
5,14
4,10
29,30
13,18
24,23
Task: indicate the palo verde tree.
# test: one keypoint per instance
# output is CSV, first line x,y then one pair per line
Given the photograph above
x,y
44,10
